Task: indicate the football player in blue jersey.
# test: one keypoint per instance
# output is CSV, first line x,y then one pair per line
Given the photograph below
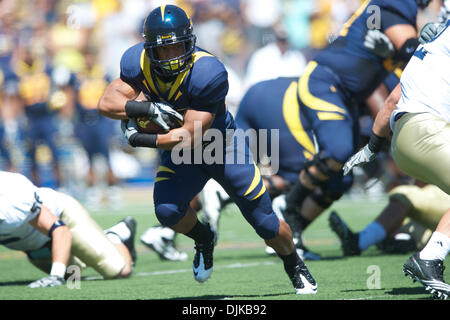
x,y
41,91
178,77
339,78
94,130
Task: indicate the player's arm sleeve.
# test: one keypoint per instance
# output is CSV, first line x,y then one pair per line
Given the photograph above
x,y
391,18
130,66
209,89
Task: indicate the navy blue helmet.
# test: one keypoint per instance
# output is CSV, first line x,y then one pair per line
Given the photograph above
x,y
168,25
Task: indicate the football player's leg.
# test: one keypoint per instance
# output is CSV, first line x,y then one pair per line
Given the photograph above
x,y
244,184
175,187
425,205
332,121
50,135
427,266
213,199
92,246
420,148
162,240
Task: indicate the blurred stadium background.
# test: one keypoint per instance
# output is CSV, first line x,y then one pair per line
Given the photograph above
x,y
245,34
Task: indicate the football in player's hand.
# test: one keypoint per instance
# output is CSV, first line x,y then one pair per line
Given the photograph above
x,y
146,125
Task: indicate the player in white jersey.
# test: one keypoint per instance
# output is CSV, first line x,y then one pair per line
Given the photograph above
x,y
55,232
418,113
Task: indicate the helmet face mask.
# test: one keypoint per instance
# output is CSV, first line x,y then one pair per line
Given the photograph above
x,y
164,26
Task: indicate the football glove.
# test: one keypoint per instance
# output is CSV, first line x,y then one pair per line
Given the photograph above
x,y
362,156
129,128
165,116
429,31
160,113
377,42
50,281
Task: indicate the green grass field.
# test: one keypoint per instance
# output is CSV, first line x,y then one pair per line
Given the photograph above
x,y
242,270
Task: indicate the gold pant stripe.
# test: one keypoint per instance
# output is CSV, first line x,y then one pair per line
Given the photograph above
x,y
263,189
291,114
308,99
256,180
164,169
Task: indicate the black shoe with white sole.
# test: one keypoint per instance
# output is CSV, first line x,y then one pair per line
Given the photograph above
x,y
302,280
430,273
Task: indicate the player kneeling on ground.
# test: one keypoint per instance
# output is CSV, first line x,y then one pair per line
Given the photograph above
x,y
55,232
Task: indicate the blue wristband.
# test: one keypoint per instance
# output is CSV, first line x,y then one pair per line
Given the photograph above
x,y
58,223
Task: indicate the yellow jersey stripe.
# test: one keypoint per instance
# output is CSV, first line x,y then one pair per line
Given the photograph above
x,y
291,112
329,116
158,179
195,57
308,99
145,67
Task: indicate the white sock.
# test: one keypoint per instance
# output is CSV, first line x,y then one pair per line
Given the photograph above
x,y
372,234
121,230
437,247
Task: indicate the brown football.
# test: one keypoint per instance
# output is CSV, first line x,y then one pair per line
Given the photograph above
x,y
145,125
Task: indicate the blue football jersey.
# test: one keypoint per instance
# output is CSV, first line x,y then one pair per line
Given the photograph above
x,y
359,70
202,87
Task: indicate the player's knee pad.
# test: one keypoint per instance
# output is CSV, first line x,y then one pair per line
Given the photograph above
x,y
169,214
320,162
325,199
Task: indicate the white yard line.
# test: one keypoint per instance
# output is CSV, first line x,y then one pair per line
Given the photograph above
x,y
160,272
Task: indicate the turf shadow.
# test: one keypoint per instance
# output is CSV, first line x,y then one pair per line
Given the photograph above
x,y
16,283
234,296
409,291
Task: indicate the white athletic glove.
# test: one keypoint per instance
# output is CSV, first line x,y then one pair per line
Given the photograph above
x,y
362,156
379,44
429,31
129,128
165,116
50,281
160,113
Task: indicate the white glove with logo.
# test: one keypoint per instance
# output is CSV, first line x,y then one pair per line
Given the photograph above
x,y
165,116
379,44
364,155
50,281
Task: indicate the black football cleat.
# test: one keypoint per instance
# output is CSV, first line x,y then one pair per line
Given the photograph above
x,y
131,224
430,273
349,240
202,265
302,280
392,245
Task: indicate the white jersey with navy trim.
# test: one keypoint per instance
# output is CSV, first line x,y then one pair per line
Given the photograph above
x,y
20,202
425,82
